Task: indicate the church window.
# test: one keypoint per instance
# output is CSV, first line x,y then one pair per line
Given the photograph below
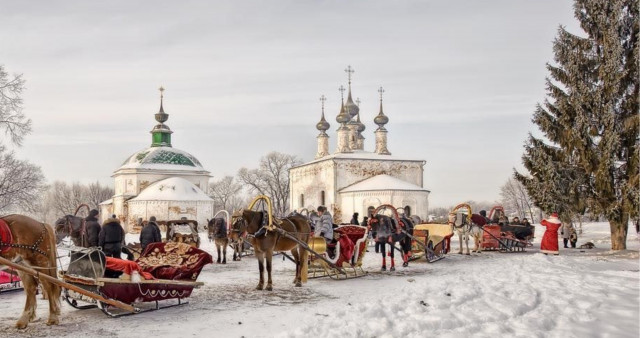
x,y
301,200
407,211
322,202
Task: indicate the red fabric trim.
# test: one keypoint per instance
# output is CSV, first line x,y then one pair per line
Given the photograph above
x,y
5,236
127,267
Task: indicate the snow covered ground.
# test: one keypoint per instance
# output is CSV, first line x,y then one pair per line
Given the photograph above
x,y
581,293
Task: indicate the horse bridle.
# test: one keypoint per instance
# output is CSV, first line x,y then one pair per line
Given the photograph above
x,y
35,247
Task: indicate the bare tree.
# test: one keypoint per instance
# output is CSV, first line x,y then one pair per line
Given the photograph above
x,y
224,190
271,179
97,193
21,183
15,124
515,197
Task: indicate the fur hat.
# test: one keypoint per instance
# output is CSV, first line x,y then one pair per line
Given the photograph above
x,y
554,218
152,219
112,220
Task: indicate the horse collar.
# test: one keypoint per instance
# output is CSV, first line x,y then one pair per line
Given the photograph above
x,y
35,247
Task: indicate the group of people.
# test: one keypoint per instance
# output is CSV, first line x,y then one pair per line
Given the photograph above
x,y
549,244
110,236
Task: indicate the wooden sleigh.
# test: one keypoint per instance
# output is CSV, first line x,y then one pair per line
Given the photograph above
x,y
504,238
87,272
342,260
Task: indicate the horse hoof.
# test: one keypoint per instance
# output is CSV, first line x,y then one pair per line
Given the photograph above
x,y
53,321
468,254
21,325
269,288
224,262
460,253
298,284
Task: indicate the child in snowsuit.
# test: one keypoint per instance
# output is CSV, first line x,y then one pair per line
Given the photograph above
x,y
573,238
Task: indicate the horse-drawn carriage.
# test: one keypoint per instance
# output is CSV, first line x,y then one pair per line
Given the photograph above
x,y
429,240
499,235
167,271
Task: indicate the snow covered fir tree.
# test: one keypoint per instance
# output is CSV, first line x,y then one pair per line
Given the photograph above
x,y
589,154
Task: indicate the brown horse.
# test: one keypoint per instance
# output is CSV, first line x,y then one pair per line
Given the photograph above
x,y
33,243
297,226
74,227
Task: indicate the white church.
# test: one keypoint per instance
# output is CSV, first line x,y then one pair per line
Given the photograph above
x,y
352,179
159,181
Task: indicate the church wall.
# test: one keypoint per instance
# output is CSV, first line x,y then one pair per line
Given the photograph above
x,y
170,210
353,171
311,180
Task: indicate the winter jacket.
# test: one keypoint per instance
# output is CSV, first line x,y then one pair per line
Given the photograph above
x,y
324,226
111,238
566,230
93,230
354,221
479,220
150,234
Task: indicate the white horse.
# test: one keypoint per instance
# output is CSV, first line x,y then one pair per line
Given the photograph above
x,y
464,227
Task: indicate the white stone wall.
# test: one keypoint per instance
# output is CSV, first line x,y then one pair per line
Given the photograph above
x,y
350,171
311,180
169,210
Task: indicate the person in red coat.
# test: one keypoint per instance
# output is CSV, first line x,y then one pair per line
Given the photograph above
x,y
549,244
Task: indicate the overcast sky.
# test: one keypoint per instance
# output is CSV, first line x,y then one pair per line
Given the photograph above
x,y
243,78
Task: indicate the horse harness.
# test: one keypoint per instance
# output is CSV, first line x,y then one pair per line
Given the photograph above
x,y
35,247
83,231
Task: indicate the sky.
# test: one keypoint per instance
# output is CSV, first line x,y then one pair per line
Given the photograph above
x,y
243,78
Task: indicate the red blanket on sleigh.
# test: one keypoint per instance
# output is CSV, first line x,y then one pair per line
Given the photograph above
x,y
127,267
177,261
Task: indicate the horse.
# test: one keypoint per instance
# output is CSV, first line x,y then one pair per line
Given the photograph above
x,y
34,243
74,227
217,229
248,221
464,227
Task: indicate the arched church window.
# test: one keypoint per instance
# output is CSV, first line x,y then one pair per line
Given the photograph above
x,y
301,200
322,198
407,211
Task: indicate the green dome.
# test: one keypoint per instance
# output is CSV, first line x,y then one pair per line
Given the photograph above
x,y
162,158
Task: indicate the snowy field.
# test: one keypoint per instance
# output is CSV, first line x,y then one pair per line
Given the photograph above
x,y
581,293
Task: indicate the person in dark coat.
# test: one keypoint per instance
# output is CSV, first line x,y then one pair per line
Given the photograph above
x,y
93,227
354,219
111,238
150,233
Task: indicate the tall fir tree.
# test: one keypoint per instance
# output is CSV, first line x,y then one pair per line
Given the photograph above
x,y
588,157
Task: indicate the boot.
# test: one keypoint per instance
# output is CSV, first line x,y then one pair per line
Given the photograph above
x,y
261,232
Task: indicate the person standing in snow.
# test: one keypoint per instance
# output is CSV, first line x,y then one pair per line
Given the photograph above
x,y
111,238
565,231
549,244
150,233
93,227
354,219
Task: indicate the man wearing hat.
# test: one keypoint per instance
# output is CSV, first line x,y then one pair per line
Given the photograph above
x,y
549,244
93,227
111,237
150,233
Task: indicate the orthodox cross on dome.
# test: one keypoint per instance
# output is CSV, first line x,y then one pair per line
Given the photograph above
x,y
381,91
341,89
161,89
349,71
161,134
358,102
323,99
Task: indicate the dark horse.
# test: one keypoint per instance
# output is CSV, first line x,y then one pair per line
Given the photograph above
x,y
33,242
297,226
217,229
74,227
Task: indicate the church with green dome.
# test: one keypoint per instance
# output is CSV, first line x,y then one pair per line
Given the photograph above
x,y
159,181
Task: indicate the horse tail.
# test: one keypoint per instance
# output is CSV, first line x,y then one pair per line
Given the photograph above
x,y
304,269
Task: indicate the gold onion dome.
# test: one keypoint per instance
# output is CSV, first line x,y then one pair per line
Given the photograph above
x,y
343,117
361,126
351,107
